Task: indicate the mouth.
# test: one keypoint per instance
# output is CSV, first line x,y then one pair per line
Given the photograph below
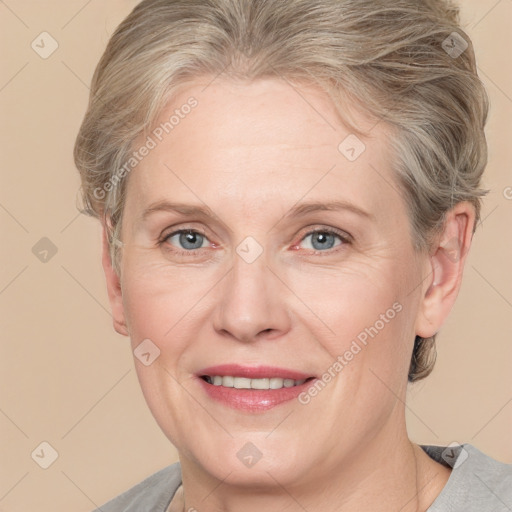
x,y
229,381
252,389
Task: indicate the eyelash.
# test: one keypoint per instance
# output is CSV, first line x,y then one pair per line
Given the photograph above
x,y
181,252
344,237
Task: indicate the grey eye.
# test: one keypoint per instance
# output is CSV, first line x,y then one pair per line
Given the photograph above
x,y
321,240
188,240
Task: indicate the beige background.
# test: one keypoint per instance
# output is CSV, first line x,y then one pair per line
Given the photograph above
x,y
68,379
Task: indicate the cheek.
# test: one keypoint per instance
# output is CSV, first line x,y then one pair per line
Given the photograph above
x,y
159,299
349,304
364,321
159,306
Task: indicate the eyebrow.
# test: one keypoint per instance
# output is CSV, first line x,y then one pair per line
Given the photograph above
x,y
298,210
309,207
184,209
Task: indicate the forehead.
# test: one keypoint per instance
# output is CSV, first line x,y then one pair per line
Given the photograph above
x,y
269,139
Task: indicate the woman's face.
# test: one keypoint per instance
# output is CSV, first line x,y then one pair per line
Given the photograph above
x,y
261,243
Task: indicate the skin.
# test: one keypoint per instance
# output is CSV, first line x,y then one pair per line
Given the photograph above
x,y
251,152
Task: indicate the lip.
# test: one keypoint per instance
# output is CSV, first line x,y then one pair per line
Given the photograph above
x,y
253,372
253,400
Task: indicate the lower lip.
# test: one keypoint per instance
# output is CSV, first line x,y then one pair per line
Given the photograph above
x,y
253,399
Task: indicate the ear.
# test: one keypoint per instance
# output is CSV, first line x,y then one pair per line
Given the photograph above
x,y
445,266
113,287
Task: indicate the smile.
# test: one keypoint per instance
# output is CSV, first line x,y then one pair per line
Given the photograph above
x,y
252,389
228,381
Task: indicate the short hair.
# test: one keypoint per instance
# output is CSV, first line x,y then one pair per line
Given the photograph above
x,y
406,63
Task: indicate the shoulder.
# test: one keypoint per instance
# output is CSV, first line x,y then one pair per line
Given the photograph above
x,y
477,482
152,494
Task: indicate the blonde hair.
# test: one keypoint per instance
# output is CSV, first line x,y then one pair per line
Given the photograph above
x,y
406,62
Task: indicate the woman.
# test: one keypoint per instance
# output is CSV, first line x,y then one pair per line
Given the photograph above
x,y
288,192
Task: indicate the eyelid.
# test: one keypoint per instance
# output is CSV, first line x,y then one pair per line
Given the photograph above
x,y
344,236
186,231
168,232
164,244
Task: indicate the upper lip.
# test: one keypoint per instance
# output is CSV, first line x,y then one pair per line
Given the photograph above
x,y
252,372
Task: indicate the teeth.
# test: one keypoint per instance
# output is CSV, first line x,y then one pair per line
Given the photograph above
x,y
288,383
241,383
246,383
276,383
259,383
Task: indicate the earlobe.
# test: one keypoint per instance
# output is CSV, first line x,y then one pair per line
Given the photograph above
x,y
445,266
113,288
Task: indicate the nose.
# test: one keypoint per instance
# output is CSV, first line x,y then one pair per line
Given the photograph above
x,y
252,303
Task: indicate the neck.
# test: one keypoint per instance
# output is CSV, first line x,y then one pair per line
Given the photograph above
x,y
388,474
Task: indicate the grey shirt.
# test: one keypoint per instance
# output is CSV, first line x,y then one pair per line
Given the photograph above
x,y
477,484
